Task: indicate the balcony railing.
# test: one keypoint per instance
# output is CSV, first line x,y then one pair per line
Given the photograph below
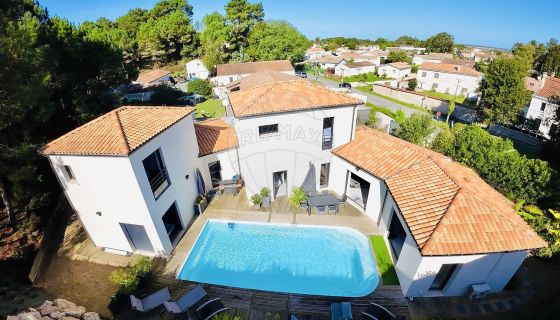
x,y
159,183
327,142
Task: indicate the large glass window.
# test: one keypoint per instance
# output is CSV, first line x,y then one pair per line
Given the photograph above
x,y
328,124
215,173
443,276
156,173
172,222
397,235
268,129
324,176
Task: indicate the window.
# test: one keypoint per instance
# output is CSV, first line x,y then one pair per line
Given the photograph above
x,y
434,86
443,276
328,124
268,129
324,175
436,75
543,106
230,79
423,74
172,222
397,235
215,173
156,173
68,174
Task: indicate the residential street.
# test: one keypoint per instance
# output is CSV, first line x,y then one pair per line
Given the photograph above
x,y
378,101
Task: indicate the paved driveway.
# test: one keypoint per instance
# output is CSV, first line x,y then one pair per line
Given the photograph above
x,y
378,101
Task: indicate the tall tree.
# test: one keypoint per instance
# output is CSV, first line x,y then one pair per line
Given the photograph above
x,y
503,91
409,41
526,53
276,40
441,42
397,56
213,40
550,61
242,16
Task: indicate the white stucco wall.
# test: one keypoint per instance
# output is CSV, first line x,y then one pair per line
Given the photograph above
x,y
298,143
118,188
547,115
196,69
392,72
228,163
344,70
448,82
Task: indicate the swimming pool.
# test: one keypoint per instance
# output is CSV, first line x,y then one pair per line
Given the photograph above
x,y
329,261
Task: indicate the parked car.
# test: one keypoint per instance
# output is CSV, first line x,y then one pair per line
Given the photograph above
x,y
345,85
301,74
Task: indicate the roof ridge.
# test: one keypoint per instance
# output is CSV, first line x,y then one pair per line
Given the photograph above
x,y
121,129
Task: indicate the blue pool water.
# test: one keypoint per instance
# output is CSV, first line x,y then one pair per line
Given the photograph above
x,y
295,259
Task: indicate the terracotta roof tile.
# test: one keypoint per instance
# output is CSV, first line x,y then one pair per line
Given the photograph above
x,y
147,77
260,78
215,135
117,133
252,67
283,96
551,88
447,207
400,65
449,68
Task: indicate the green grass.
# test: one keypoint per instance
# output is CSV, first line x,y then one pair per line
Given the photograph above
x,y
366,77
212,108
444,96
383,110
384,262
369,89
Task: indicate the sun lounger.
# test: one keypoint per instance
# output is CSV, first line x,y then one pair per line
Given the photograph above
x,y
210,309
377,312
188,300
341,311
151,301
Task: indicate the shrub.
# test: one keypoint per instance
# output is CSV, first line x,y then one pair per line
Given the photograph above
x,y
414,69
412,83
399,116
265,192
298,196
225,316
256,199
373,120
416,129
127,279
201,87
165,95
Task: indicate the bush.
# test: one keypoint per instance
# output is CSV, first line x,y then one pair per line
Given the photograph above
x,y
165,95
298,196
256,199
414,69
201,87
265,192
412,83
416,129
127,279
399,116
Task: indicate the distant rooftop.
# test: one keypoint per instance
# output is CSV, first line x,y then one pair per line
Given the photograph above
x,y
252,67
147,77
449,68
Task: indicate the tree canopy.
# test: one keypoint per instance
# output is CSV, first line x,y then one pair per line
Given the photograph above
x,y
397,56
503,91
276,40
441,42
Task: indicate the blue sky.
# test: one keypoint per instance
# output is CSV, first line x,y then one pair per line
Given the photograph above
x,y
497,23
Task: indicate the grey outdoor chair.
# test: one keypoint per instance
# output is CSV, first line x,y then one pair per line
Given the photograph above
x,y
151,301
210,309
341,311
187,301
377,312
333,208
321,209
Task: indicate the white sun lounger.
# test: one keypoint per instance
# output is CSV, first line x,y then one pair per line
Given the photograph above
x,y
151,301
186,301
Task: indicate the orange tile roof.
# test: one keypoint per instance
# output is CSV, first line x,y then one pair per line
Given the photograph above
x,y
551,88
449,68
315,49
447,207
259,78
117,133
252,67
284,96
147,77
400,65
215,135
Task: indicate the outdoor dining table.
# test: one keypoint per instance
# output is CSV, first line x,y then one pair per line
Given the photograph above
x,y
321,200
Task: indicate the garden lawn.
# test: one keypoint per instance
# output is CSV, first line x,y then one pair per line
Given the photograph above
x,y
368,89
212,108
444,96
366,77
384,262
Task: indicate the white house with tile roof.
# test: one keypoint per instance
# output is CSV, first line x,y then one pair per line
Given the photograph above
x,y
541,110
395,70
230,72
195,69
449,78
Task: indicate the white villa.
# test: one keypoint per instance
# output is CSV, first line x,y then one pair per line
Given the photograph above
x,y
449,78
431,57
540,108
314,53
142,88
327,62
395,70
345,69
227,73
195,69
132,176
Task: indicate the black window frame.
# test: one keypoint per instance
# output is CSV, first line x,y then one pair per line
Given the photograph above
x,y
395,233
161,177
268,129
327,141
436,75
543,106
68,173
324,179
441,280
424,74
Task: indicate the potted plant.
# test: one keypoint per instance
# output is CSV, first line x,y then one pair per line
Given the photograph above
x,y
298,197
265,197
200,204
256,199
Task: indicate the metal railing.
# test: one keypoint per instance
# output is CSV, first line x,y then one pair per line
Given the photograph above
x,y
327,142
159,182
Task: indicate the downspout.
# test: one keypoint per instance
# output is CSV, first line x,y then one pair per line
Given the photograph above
x,y
238,162
384,202
352,133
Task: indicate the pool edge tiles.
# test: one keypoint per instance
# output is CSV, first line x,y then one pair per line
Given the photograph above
x,y
301,259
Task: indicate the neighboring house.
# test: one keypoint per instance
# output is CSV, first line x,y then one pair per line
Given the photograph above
x,y
346,69
449,78
447,229
540,109
195,69
371,47
258,79
130,177
228,73
341,50
407,49
373,57
142,88
433,57
314,53
484,56
395,70
327,62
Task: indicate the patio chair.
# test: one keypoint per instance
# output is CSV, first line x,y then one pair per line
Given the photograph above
x,y
341,311
303,205
333,208
186,301
377,312
342,200
321,209
149,302
210,309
